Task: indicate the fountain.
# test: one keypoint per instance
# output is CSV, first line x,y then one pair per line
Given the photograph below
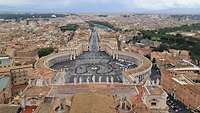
x,y
94,68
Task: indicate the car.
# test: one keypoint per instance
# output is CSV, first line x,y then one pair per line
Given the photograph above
x,y
180,109
176,110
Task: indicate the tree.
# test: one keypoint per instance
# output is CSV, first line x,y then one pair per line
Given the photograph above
x,y
45,51
161,48
69,27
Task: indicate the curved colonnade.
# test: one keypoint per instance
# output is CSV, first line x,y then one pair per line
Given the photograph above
x,y
137,75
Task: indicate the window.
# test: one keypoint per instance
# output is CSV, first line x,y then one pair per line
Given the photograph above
x,y
153,99
153,104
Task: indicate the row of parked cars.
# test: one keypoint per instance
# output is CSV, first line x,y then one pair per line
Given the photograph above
x,y
176,106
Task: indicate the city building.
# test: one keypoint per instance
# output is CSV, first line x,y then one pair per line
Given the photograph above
x,y
9,108
5,89
19,76
5,61
155,99
182,83
93,69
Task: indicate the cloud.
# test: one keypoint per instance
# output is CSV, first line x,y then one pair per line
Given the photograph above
x,y
130,5
13,2
164,4
33,2
133,3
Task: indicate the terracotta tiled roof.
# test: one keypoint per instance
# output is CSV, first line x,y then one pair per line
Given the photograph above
x,y
45,73
29,109
37,91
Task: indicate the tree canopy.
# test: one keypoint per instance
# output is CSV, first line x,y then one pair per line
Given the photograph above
x,y
69,27
103,23
45,51
173,41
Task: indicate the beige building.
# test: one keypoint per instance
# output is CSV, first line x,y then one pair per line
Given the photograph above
x,y
19,76
7,108
184,86
155,99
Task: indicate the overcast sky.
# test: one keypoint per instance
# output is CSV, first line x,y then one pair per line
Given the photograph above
x,y
96,5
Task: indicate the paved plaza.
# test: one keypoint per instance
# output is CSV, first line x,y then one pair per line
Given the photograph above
x,y
93,66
